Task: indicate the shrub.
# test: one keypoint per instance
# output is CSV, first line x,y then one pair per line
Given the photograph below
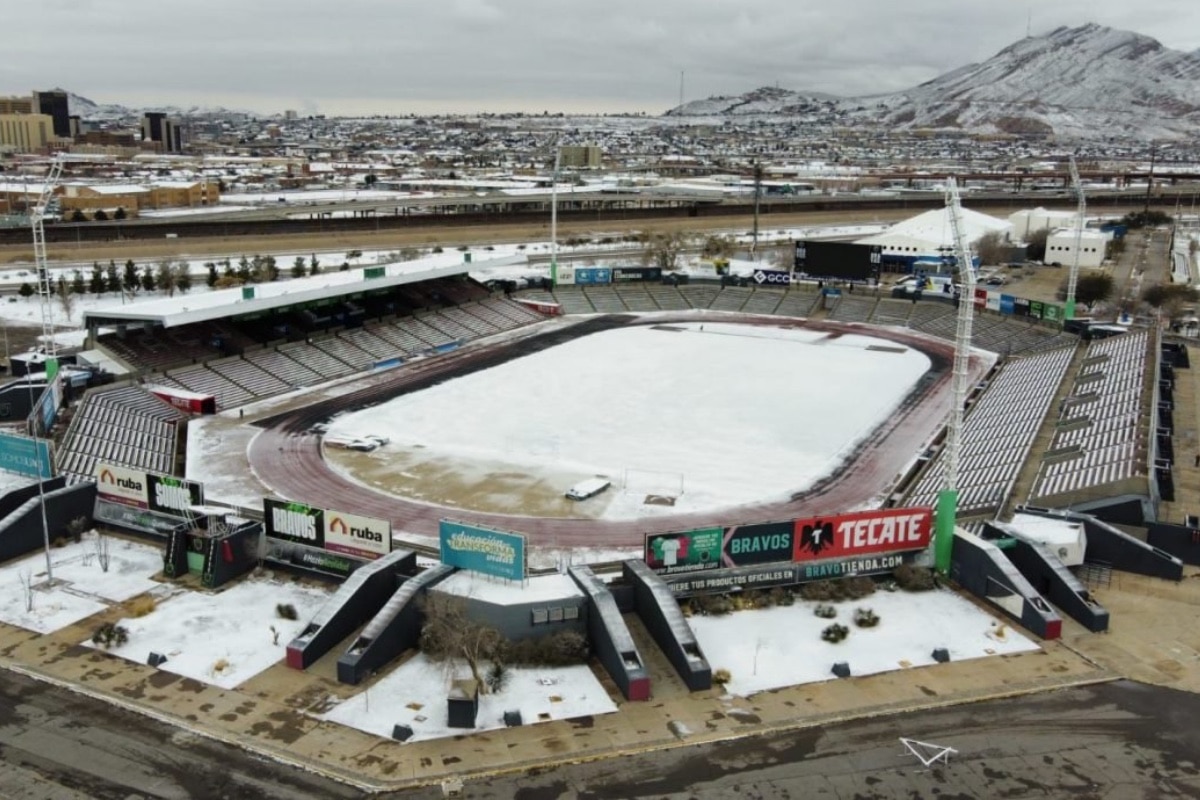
x,y
721,676
713,605
76,527
825,611
497,677
780,597
462,248
286,611
865,618
857,587
913,579
818,590
561,649
142,605
110,634
835,633
437,249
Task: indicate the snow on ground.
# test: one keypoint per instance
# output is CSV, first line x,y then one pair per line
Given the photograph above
x,y
222,638
626,404
168,213
414,694
543,588
81,587
782,646
13,480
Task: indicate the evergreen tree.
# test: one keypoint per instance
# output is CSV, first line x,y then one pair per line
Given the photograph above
x,y
211,280
96,282
298,268
148,277
77,285
112,278
26,290
272,268
243,270
227,270
130,280
183,276
315,266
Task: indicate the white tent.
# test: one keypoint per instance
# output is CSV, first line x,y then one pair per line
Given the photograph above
x,y
930,235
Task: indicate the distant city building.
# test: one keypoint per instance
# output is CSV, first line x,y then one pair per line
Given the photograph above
x,y
26,133
581,156
166,132
56,106
290,114
16,105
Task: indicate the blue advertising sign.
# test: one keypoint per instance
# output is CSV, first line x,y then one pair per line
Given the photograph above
x,y
26,456
1007,303
593,275
482,550
770,277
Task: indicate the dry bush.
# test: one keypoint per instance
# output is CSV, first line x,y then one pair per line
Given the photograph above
x,y
142,605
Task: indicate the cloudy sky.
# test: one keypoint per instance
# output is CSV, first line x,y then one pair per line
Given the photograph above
x,y
396,57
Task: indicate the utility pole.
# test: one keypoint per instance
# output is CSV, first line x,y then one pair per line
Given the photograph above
x,y
1150,177
758,173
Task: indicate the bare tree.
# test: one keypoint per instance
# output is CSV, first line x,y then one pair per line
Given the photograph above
x,y
165,279
663,248
27,590
66,299
449,632
103,554
991,248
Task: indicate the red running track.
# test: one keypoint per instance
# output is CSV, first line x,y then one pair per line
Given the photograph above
x,y
288,459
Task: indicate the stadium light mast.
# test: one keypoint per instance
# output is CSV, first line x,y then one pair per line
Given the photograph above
x,y
1073,277
947,504
554,213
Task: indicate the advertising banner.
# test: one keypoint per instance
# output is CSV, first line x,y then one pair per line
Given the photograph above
x,y
121,485
1021,306
168,495
685,551
1035,309
862,533
725,580
981,298
294,522
564,275
770,277
867,565
623,274
993,301
365,537
1006,304
482,550
1052,312
586,276
758,544
26,456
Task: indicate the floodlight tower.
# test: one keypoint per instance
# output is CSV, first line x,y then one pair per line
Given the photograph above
x,y
947,505
554,212
45,285
1073,278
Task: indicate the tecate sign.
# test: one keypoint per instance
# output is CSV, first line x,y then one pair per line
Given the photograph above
x,y
766,277
294,522
121,485
848,535
365,537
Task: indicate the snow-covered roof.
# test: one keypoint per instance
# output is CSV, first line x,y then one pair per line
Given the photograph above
x,y
1047,529
933,229
186,309
541,589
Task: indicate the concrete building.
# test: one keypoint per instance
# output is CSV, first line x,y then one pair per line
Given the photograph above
x,y
929,236
1027,222
1060,248
16,105
26,133
165,131
55,105
581,156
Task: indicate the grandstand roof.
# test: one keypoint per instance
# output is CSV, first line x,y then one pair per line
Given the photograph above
x,y
202,306
932,230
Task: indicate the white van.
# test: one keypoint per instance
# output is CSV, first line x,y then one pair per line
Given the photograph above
x,y
588,488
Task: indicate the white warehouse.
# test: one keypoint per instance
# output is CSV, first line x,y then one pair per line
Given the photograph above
x,y
1060,247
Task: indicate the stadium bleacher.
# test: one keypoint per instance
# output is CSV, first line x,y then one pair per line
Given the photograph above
x,y
127,426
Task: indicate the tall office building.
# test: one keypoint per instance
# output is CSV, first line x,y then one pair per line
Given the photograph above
x,y
54,105
166,131
17,105
26,133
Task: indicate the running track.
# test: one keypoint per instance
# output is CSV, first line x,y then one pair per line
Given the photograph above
x,y
287,457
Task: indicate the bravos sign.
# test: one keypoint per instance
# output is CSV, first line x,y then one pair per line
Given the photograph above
x,y
365,537
766,277
175,496
294,522
844,535
758,544
121,485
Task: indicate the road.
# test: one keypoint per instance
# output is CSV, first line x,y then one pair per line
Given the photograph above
x,y
287,459
1118,740
58,745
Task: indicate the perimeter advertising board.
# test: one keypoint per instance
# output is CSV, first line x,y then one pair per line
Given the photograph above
x,y
758,544
588,276
840,260
770,277
482,550
118,484
169,495
685,551
294,522
625,274
365,537
26,456
862,533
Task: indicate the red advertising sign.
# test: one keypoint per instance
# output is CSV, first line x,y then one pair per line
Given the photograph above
x,y
845,535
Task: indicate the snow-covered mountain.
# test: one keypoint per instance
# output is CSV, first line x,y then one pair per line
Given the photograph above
x,y
1091,81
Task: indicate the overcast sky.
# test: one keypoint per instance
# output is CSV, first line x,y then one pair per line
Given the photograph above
x,y
398,57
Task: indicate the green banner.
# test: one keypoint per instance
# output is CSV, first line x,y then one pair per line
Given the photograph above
x,y
686,551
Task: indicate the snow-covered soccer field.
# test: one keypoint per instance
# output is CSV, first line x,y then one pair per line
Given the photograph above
x,y
697,416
